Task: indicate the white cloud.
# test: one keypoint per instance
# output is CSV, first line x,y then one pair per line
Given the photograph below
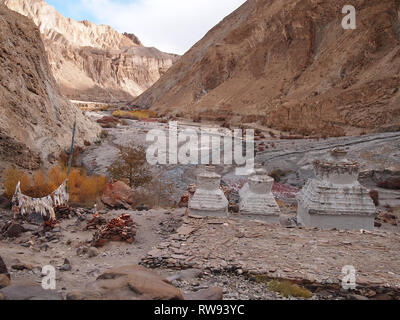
x,y
169,25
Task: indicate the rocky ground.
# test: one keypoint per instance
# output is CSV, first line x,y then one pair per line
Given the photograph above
x,y
70,241
206,259
215,259
67,247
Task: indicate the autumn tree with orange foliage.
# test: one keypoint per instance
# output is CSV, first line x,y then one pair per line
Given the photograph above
x,y
83,189
12,176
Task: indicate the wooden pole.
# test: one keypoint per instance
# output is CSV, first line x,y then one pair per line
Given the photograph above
x,y
71,154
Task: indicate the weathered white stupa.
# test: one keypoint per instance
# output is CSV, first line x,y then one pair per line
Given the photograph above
x,y
256,199
208,200
335,198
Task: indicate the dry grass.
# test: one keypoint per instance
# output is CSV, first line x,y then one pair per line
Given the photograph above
x,y
289,289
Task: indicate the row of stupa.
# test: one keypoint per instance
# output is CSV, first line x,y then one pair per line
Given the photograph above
x,y
333,199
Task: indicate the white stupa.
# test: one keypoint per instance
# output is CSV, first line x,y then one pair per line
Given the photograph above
x,y
256,199
208,200
335,198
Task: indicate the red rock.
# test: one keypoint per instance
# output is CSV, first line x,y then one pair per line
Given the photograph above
x,y
106,120
118,195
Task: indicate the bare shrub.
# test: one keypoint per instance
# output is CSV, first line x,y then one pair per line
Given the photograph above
x,y
131,166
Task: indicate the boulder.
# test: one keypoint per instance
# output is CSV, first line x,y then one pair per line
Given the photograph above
x,y
28,291
4,281
14,230
118,195
66,265
214,293
132,282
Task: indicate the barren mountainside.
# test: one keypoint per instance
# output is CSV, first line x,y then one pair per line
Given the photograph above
x,y
35,119
290,65
94,62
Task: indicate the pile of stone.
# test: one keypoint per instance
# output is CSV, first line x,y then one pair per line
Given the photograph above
x,y
119,229
50,225
95,222
183,203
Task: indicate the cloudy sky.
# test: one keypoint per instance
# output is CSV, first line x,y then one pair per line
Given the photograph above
x,y
169,25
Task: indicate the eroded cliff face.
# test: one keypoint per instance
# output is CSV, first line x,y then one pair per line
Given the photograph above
x,y
290,65
36,121
92,62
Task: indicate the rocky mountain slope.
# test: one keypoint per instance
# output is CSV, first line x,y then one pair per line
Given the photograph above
x,y
290,65
35,119
94,62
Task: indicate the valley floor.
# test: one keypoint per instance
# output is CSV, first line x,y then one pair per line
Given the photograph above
x,y
241,257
